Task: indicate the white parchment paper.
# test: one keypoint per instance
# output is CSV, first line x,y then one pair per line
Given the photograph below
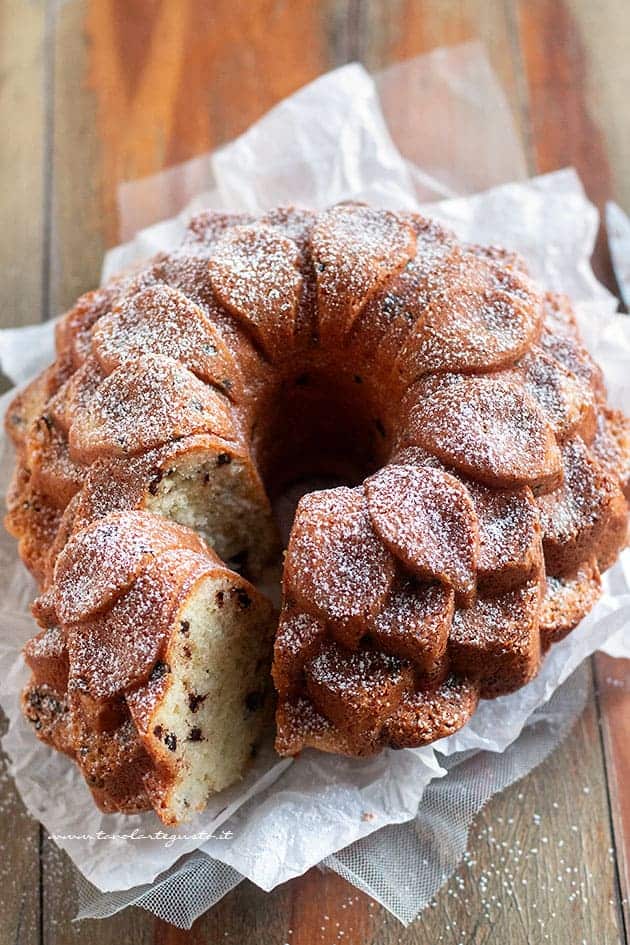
x,y
332,140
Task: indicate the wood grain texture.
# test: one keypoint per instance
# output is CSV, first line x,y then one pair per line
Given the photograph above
x,y
172,79
565,127
389,32
23,120
613,688
19,865
141,84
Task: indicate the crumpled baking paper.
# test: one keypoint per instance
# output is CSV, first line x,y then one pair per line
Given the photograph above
x,y
435,127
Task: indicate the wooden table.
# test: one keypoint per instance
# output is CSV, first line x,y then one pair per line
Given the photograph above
x,y
96,93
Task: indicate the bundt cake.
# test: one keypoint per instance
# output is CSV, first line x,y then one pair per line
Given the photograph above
x,y
481,487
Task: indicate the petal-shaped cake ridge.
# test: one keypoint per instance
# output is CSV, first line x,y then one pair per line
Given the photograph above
x,y
497,640
489,429
479,316
356,690
611,446
510,534
427,520
114,650
485,487
212,471
424,716
102,561
355,251
336,567
75,394
73,332
34,401
143,405
300,725
162,320
510,537
560,318
255,274
566,400
53,473
298,638
586,516
568,351
207,226
295,223
415,623
566,601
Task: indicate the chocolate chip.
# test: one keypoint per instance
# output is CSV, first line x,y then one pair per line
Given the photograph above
x,y
219,596
170,740
153,485
224,459
195,735
158,731
195,700
35,699
184,626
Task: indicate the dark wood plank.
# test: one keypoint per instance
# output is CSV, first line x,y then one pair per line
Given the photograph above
x,y
565,127
613,687
22,208
19,864
59,907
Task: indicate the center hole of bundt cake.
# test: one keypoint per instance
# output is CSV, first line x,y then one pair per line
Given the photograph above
x,y
319,430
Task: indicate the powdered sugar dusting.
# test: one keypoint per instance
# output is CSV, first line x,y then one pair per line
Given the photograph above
x,y
356,690
335,563
102,561
477,317
488,428
415,622
144,404
427,519
162,320
254,272
355,250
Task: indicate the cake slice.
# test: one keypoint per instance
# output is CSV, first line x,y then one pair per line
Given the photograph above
x,y
159,673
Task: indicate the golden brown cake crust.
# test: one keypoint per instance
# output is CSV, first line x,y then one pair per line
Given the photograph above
x,y
487,479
